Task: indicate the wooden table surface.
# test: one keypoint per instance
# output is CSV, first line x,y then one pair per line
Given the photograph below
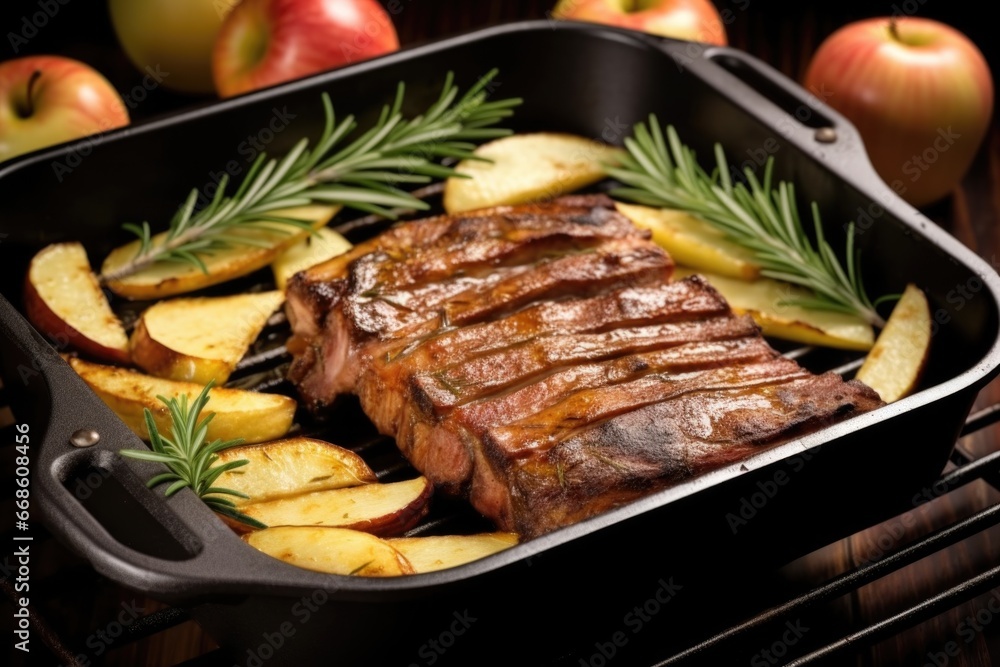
x,y
972,215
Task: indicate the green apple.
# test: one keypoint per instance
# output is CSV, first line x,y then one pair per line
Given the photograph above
x,y
175,36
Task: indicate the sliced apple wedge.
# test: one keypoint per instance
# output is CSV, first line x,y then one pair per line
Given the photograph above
x,y
896,362
323,245
380,509
200,339
331,550
64,300
526,168
438,552
265,240
285,468
764,299
253,416
692,242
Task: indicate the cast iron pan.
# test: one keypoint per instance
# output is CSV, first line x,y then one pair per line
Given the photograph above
x,y
553,591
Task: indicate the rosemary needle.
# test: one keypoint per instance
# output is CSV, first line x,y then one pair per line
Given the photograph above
x,y
365,174
189,459
761,216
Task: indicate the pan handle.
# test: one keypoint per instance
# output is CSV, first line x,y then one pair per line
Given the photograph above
x,y
784,106
96,501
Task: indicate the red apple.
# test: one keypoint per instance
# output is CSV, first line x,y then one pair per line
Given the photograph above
x,y
46,100
920,94
266,42
693,20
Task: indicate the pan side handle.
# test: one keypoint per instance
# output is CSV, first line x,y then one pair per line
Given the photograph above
x,y
94,500
791,111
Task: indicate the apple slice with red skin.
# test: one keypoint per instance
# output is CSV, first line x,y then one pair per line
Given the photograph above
x,y
379,509
202,338
64,300
331,550
290,467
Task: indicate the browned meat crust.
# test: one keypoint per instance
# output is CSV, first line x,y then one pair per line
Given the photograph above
x,y
538,360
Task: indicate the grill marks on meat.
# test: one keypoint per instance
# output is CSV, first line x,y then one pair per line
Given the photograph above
x,y
618,460
485,374
386,310
538,360
525,226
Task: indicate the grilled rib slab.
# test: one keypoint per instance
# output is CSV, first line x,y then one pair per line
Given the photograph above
x,y
538,360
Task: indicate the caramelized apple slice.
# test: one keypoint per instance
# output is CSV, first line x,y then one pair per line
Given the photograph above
x,y
766,301
331,550
693,242
64,300
265,241
253,416
439,552
896,362
323,245
200,339
525,168
291,467
380,509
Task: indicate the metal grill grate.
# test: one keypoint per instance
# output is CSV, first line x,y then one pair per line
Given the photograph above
x,y
968,470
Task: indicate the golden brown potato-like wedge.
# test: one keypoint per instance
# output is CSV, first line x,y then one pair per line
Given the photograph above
x,y
253,416
285,468
200,339
331,550
527,168
380,509
763,300
438,552
64,300
169,279
896,362
310,251
692,242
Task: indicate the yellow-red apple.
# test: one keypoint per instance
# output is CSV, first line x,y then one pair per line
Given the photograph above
x,y
266,42
693,20
46,100
173,37
920,94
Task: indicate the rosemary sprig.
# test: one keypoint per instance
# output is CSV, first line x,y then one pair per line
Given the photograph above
x,y
759,215
190,460
364,174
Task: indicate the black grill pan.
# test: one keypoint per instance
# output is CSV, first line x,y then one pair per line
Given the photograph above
x,y
552,592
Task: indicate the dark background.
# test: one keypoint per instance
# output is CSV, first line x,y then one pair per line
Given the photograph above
x,y
782,34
